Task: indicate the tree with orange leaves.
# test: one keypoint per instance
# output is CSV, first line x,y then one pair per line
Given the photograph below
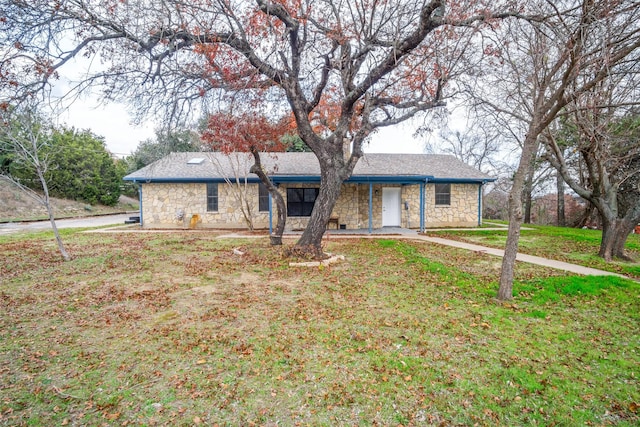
x,y
342,68
252,134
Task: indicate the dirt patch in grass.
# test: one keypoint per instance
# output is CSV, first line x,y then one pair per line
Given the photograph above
x,y
174,329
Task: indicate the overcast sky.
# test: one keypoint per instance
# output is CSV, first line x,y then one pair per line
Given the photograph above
x,y
113,121
114,124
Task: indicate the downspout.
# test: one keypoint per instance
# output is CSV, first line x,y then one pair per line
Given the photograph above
x,y
370,207
422,185
140,202
480,203
270,215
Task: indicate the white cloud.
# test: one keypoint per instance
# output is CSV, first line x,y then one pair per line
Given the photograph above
x,y
111,121
396,139
84,111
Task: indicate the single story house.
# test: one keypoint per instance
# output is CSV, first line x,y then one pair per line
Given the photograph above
x,y
386,190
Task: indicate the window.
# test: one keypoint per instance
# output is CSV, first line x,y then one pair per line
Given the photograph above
x,y
263,198
300,201
212,197
443,194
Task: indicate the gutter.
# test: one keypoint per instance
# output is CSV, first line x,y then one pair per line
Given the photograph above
x,y
381,179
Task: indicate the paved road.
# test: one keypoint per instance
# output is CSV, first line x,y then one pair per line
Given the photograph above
x,y
93,221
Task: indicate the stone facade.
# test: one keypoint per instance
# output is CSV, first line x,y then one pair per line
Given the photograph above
x,y
462,212
174,205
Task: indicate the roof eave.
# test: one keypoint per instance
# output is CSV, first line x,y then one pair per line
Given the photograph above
x,y
168,180
463,180
395,179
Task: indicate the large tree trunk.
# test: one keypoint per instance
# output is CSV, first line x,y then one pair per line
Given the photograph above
x,y
529,149
614,236
281,219
620,239
560,211
528,188
615,233
310,242
528,184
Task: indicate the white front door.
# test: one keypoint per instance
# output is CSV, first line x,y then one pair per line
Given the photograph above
x,y
391,206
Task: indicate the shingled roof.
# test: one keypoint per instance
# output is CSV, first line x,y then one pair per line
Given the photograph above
x,y
212,166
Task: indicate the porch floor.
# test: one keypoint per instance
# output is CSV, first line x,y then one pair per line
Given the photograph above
x,y
363,231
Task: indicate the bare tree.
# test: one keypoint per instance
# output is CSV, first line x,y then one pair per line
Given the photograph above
x,y
233,134
536,70
239,183
26,139
478,145
608,143
343,69
281,218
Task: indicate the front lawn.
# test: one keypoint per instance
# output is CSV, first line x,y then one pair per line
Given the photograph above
x,y
174,329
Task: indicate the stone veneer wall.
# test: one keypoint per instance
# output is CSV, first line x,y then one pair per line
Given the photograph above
x,y
411,216
462,212
161,203
347,208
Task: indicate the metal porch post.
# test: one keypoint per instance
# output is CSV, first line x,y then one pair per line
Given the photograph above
x,y
140,203
370,207
480,204
422,207
270,216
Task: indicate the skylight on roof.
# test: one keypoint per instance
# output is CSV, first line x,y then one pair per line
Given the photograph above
x,y
196,161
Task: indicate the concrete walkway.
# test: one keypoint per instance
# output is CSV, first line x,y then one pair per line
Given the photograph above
x,y
406,234
531,259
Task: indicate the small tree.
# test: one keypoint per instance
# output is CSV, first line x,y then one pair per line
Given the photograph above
x,y
27,141
83,168
251,134
238,184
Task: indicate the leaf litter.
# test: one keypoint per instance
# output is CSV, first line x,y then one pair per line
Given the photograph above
x,y
181,330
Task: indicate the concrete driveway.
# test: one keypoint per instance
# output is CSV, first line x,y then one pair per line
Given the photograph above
x,y
85,222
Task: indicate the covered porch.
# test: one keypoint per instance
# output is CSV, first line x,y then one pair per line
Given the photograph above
x,y
387,204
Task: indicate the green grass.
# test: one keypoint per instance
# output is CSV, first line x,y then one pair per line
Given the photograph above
x,y
173,329
572,245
